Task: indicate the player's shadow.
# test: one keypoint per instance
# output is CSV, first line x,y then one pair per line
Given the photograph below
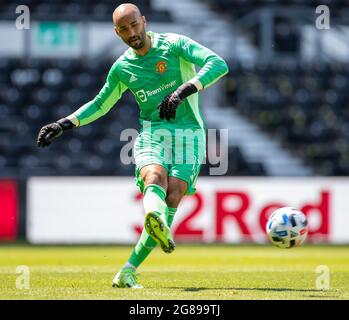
x,y
196,289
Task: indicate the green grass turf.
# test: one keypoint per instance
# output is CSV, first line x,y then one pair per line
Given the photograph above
x,y
191,272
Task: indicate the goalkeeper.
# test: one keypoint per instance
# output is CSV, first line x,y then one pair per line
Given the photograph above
x,y
159,69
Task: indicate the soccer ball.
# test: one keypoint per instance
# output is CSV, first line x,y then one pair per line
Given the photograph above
x,y
287,227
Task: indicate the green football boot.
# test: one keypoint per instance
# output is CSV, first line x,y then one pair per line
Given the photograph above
x,y
126,278
159,231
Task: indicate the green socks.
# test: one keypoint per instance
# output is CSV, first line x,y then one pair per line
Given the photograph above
x,y
155,200
146,244
170,215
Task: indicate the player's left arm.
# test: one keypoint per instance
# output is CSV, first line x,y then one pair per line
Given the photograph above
x,y
213,67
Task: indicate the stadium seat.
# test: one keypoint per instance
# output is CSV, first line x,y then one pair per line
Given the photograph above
x,y
304,107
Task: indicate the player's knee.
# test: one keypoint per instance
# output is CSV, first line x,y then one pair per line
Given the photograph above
x,y
155,177
173,198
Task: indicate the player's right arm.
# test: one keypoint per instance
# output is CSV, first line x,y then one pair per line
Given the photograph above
x,y
89,112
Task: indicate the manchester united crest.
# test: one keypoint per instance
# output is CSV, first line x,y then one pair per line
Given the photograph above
x,y
161,67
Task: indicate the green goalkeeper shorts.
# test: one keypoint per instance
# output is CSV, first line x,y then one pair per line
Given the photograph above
x,y
180,151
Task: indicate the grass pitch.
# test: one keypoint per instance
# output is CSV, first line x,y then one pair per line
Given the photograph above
x,y
191,272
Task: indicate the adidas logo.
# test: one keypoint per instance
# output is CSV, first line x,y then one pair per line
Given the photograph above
x,y
133,78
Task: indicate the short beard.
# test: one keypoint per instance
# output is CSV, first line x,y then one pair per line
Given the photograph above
x,y
137,47
142,38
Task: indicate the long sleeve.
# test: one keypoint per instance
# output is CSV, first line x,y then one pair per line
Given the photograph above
x,y
104,101
213,67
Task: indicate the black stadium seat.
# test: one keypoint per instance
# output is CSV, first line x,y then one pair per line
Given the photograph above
x,y
306,107
79,9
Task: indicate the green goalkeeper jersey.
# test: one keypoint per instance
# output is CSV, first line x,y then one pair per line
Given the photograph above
x,y
169,63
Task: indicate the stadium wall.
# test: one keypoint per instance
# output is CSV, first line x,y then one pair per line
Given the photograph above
x,y
81,210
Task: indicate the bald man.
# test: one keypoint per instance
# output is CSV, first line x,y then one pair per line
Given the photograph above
x,y
159,69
